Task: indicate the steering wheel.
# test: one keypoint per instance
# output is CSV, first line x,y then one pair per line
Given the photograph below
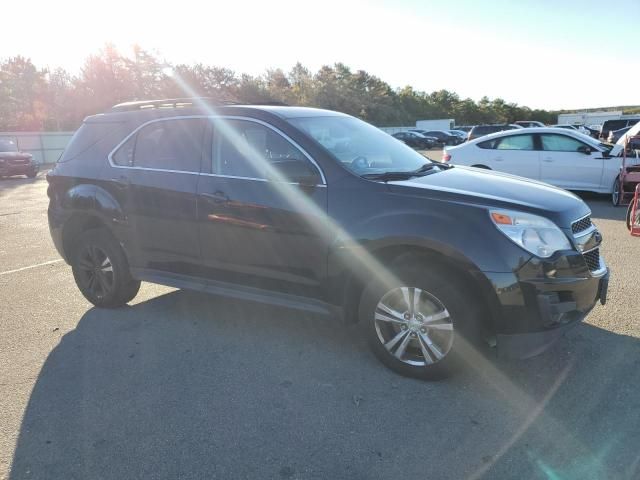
x,y
360,163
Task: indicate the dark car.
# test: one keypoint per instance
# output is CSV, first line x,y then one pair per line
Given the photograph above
x,y
610,125
482,130
443,137
614,135
415,139
319,211
529,123
15,162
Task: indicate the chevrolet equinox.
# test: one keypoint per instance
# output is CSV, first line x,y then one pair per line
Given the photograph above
x,y
319,211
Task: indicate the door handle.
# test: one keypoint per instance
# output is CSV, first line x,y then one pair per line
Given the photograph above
x,y
217,197
548,160
121,181
498,159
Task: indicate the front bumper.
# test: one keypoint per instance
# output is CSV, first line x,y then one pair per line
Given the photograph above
x,y
543,300
9,169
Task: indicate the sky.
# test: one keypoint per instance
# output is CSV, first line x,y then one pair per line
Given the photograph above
x,y
539,53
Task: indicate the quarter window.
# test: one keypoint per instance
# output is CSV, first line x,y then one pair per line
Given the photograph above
x,y
560,143
516,142
165,145
248,149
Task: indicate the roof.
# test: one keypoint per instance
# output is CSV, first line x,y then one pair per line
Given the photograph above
x,y
201,106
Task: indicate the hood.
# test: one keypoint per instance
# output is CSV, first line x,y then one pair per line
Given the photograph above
x,y
498,190
619,146
15,156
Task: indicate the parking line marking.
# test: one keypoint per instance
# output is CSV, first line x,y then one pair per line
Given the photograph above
x,y
50,262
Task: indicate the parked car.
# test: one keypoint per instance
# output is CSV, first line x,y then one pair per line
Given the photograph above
x,y
610,125
529,123
15,162
567,126
415,139
560,157
463,128
443,137
459,133
481,130
614,135
593,130
260,204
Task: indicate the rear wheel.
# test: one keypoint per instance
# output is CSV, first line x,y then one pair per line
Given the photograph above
x,y
420,323
101,270
32,173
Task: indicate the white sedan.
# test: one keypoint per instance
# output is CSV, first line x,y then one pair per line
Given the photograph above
x,y
560,157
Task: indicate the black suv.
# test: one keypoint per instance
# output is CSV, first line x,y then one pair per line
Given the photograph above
x,y
319,211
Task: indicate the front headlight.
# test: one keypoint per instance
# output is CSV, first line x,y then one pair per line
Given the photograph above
x,y
535,234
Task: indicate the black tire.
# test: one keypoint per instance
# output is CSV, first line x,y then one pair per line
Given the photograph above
x,y
101,270
32,174
616,196
457,301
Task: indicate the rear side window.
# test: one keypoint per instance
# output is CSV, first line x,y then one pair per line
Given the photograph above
x,y
88,135
165,145
515,142
488,144
560,143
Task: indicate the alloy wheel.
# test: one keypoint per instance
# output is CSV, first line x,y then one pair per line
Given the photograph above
x,y
96,270
414,326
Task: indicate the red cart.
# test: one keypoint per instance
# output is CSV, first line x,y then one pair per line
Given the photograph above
x,y
633,214
625,188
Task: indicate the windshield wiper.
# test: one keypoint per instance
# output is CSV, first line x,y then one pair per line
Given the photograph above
x,y
391,176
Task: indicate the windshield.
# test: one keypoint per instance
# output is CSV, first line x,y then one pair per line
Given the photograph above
x,y
8,144
360,147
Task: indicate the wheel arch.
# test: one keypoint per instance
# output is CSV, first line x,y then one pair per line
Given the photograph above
x,y
393,256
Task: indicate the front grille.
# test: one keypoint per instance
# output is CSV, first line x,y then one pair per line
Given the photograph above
x,y
593,259
581,225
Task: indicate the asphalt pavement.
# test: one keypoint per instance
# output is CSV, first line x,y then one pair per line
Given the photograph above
x,y
185,385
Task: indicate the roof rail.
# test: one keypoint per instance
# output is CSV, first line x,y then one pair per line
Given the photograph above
x,y
168,103
181,103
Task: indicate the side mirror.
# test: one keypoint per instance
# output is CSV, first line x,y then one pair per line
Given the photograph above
x,y
584,149
295,170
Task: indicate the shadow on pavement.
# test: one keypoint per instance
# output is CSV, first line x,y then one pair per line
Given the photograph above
x,y
190,386
10,183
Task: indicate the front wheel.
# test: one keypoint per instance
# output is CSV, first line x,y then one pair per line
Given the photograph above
x,y
616,193
101,270
420,322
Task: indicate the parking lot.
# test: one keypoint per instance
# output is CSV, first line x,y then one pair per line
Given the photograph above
x,y
184,385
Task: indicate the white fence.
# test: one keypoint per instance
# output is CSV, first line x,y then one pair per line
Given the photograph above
x,y
46,147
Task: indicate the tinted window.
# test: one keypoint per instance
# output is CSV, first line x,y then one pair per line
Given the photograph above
x,y
560,143
124,155
515,142
488,144
168,145
613,125
247,149
8,144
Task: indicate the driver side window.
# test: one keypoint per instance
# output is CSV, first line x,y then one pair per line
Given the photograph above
x,y
560,143
246,149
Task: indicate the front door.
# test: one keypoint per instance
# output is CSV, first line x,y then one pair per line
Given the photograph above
x,y
569,163
262,211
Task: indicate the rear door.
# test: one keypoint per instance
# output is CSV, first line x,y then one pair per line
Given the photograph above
x,y
155,176
515,154
566,164
262,210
